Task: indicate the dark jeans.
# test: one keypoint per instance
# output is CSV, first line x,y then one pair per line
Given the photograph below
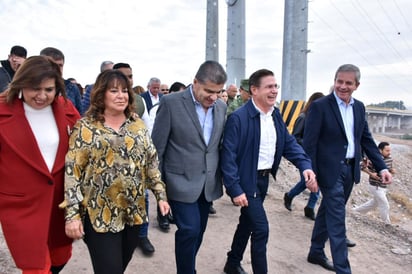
x,y
144,228
191,220
110,253
253,223
299,188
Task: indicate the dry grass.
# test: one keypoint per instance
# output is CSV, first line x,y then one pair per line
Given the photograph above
x,y
403,200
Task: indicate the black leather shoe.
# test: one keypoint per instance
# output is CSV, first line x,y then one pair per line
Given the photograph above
x,y
230,269
146,246
309,213
323,262
349,243
163,222
288,202
212,210
170,218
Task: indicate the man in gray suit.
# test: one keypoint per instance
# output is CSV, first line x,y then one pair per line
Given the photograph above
x,y
187,133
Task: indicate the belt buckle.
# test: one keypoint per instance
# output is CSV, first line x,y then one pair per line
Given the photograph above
x,y
349,161
264,172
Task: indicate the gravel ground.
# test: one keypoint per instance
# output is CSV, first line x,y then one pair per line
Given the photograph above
x,y
380,248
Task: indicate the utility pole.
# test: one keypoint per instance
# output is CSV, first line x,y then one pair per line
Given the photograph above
x,y
235,51
212,31
295,40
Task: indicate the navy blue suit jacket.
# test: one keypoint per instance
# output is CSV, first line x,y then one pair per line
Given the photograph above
x,y
326,143
148,100
240,150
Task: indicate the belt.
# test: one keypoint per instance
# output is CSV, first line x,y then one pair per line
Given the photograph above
x,y
377,184
349,161
264,172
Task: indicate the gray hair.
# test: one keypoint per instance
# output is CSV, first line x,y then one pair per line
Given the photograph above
x,y
211,71
104,65
153,80
349,68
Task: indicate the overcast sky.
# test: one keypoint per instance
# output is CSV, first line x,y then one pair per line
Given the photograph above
x,y
166,39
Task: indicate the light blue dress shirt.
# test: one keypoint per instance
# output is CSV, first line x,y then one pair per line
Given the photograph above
x,y
205,118
346,111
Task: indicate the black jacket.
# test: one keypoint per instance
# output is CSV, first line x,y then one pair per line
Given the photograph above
x,y
6,75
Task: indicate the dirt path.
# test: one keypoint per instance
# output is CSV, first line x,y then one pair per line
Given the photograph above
x,y
380,249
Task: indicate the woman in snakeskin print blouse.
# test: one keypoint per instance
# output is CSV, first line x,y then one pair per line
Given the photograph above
x,y
110,162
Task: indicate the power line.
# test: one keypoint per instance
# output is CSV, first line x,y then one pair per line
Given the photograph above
x,y
356,50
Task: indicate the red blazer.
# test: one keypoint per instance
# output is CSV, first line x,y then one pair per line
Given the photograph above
x,y
29,194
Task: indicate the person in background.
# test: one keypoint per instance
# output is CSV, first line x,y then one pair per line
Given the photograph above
x,y
105,65
164,89
223,96
187,134
254,141
177,86
72,80
110,163
35,123
138,90
72,91
140,107
164,221
231,93
79,86
240,100
376,187
9,67
152,95
298,132
336,133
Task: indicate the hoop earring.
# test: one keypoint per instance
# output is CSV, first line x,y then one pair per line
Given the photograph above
x,y
20,94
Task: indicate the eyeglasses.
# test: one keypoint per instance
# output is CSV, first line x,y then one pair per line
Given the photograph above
x,y
164,89
275,86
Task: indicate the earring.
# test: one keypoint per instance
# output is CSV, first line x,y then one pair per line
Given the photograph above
x,y
20,94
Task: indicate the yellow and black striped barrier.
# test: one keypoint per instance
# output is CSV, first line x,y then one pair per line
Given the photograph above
x,y
290,110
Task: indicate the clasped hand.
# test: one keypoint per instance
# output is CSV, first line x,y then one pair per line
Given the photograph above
x,y
310,180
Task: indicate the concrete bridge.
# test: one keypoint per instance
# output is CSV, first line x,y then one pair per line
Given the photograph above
x,y
384,120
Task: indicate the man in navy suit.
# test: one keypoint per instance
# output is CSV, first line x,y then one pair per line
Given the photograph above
x,y
336,133
255,139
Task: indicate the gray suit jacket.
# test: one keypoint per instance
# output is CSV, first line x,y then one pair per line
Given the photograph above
x,y
187,164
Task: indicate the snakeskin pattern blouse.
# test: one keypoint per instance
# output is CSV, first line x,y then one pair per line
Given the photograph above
x,y
107,173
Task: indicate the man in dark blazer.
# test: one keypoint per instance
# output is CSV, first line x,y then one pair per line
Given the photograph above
x,y
152,95
255,139
336,133
187,132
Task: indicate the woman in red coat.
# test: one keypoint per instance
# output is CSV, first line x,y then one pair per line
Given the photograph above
x,y
35,123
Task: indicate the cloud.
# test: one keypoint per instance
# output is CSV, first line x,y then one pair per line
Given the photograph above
x,y
166,39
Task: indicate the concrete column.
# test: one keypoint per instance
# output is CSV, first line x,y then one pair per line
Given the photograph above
x,y
212,31
295,39
384,123
235,51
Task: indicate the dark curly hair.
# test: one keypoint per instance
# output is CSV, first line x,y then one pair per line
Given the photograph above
x,y
106,80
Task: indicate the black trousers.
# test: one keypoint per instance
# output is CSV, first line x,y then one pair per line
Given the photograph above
x,y
110,253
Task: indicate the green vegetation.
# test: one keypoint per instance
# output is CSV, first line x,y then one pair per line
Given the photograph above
x,y
390,104
406,137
